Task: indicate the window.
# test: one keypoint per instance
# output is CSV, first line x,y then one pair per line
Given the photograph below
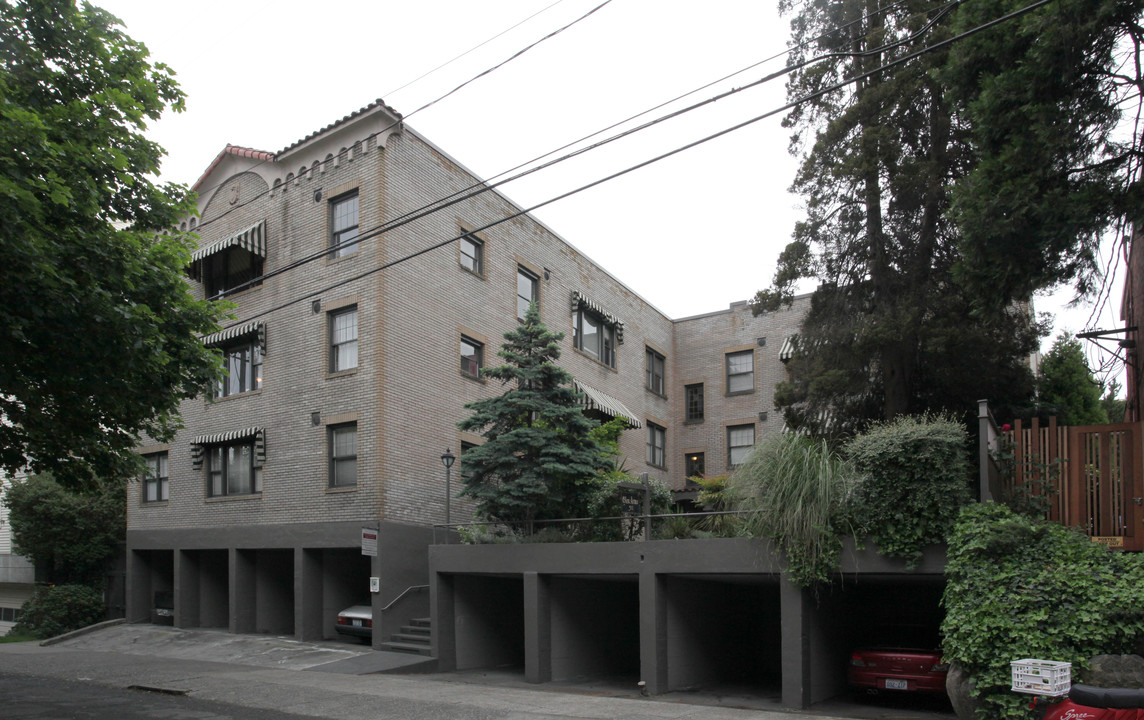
x,y
9,614
472,356
242,364
473,254
344,224
740,440
466,447
227,269
155,482
343,455
595,336
655,363
344,340
695,467
231,470
527,290
656,445
741,372
693,402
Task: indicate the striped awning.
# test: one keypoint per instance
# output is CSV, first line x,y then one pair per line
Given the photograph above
x,y
593,399
200,443
579,301
223,337
790,346
252,239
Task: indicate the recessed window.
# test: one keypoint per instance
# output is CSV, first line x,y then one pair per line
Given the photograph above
x,y
527,290
466,447
343,455
228,269
693,402
472,356
656,445
344,339
155,481
740,440
694,467
344,224
472,254
740,372
655,367
242,365
231,470
595,336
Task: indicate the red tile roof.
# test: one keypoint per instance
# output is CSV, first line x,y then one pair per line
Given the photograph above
x,y
233,150
375,104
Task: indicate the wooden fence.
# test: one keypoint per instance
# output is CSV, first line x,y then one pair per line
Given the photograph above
x,y
1088,477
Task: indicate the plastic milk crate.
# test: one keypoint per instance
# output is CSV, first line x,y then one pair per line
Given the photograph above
x,y
1041,677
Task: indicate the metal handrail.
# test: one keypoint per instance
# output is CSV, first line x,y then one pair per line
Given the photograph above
x,y
403,594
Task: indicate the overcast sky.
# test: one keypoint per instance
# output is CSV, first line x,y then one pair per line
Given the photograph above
x,y
690,234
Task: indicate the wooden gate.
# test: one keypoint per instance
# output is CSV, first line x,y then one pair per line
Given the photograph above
x,y
1089,477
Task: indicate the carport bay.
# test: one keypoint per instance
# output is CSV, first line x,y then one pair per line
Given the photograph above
x,y
674,614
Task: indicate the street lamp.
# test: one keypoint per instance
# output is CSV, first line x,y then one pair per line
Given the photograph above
x,y
447,459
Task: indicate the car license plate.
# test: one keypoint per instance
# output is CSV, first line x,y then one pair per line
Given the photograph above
x,y
357,622
897,685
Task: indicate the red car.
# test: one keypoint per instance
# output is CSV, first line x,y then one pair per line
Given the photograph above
x,y
907,669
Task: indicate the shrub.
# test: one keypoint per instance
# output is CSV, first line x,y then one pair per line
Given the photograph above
x,y
57,609
796,491
1025,588
916,474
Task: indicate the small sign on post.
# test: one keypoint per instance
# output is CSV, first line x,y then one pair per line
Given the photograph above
x,y
369,542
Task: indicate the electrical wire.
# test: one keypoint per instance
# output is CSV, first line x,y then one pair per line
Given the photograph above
x,y
811,96
481,187
479,75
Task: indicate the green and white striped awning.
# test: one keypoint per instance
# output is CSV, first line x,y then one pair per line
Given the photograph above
x,y
579,301
200,443
593,399
224,337
252,239
789,348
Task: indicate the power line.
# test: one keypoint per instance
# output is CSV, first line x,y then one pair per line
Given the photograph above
x,y
483,73
481,187
811,96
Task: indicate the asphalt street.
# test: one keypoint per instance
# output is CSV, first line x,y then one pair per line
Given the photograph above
x,y
204,675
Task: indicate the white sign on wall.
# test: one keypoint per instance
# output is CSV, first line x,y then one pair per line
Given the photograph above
x,y
369,542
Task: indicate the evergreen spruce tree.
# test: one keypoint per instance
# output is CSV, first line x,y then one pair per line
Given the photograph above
x,y
539,460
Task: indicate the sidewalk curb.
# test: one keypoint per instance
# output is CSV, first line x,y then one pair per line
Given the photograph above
x,y
82,631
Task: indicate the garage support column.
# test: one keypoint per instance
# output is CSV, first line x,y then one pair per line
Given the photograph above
x,y
138,588
307,594
242,591
796,617
653,632
442,608
186,591
537,629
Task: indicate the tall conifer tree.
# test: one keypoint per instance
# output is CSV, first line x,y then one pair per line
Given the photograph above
x,y
539,460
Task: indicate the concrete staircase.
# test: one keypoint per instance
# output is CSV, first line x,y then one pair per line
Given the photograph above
x,y
413,638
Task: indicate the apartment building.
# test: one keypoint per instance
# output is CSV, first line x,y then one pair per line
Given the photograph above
x,y
360,327
17,573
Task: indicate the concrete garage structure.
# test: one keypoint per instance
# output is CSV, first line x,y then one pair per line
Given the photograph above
x,y
674,614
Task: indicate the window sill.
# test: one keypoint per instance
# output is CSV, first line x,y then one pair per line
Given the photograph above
x,y
341,373
693,422
657,467
154,503
340,489
481,275
233,498
659,395
593,358
236,396
331,260
739,392
473,378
